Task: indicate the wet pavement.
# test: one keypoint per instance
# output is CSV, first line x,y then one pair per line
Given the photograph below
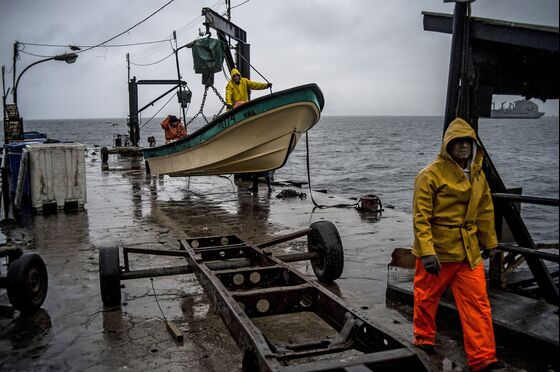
x,y
73,331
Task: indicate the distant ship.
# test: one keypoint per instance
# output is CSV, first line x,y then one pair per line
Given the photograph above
x,y
523,108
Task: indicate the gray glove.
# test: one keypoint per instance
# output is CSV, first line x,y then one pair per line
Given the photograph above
x,y
431,264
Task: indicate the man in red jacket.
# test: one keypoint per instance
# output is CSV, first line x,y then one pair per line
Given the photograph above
x,y
174,128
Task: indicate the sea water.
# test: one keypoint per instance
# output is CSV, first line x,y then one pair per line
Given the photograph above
x,y
352,156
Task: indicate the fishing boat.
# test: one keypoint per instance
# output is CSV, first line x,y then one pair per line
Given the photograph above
x,y
257,136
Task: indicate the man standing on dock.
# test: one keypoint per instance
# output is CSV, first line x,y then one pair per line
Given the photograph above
x,y
237,89
453,229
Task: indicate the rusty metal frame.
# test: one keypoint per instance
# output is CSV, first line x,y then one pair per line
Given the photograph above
x,y
244,282
268,286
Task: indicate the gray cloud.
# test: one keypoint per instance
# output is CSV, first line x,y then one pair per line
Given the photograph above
x,y
369,57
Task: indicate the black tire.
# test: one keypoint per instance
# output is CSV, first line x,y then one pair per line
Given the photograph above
x,y
325,240
28,282
110,276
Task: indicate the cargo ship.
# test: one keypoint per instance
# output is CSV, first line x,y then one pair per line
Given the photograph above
x,y
521,109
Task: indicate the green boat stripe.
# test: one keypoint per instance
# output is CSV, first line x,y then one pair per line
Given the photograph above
x,y
304,95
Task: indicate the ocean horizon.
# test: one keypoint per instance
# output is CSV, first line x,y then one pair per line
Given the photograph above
x,y
352,156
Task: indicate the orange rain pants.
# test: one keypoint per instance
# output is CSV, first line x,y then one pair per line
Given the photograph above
x,y
469,290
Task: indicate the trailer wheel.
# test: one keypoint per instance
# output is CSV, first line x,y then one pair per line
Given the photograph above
x,y
27,282
325,240
110,276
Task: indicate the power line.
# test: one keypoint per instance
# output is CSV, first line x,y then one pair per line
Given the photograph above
x,y
153,63
35,55
128,29
158,111
90,46
147,52
144,53
238,5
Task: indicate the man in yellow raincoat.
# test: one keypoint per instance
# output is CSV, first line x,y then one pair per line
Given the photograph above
x,y
453,223
237,89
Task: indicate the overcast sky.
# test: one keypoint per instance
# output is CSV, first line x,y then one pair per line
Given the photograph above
x,y
369,57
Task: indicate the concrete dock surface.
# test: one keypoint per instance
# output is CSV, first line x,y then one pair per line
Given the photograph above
x,y
126,207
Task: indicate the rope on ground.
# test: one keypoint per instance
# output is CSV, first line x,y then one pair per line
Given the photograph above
x,y
157,301
321,206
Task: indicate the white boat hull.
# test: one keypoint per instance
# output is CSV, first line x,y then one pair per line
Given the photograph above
x,y
258,144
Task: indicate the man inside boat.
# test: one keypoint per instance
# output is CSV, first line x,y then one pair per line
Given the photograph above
x,y
174,128
237,89
453,220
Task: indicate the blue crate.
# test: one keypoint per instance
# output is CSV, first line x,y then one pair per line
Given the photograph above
x,y
14,150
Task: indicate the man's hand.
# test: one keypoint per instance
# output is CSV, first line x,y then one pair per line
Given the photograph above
x,y
487,253
431,264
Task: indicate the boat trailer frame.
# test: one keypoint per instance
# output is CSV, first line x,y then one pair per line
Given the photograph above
x,y
243,281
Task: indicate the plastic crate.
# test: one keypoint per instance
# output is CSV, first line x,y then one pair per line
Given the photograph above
x,y
57,174
13,159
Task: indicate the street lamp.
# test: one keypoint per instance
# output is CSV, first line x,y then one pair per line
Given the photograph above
x,y
66,57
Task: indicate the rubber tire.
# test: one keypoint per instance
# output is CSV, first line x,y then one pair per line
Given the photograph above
x,y
325,240
110,276
28,282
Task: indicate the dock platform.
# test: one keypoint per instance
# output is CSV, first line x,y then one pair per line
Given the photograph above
x,y
73,331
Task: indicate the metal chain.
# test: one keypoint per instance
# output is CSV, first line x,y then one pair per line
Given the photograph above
x,y
221,99
201,111
218,94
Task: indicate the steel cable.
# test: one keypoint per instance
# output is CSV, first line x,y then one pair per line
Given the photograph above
x,y
162,107
128,29
321,206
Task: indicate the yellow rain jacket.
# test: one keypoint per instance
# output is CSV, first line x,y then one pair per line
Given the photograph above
x,y
453,215
240,92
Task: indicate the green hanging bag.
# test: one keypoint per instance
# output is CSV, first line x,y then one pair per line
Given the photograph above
x,y
208,55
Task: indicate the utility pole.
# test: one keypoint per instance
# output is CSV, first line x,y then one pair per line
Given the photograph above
x,y
228,4
128,65
4,94
4,90
16,55
179,78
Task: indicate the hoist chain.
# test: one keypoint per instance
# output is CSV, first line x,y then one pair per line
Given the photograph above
x,y
219,96
201,111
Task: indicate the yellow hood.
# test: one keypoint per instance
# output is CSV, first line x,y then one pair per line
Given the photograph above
x,y
234,72
459,128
